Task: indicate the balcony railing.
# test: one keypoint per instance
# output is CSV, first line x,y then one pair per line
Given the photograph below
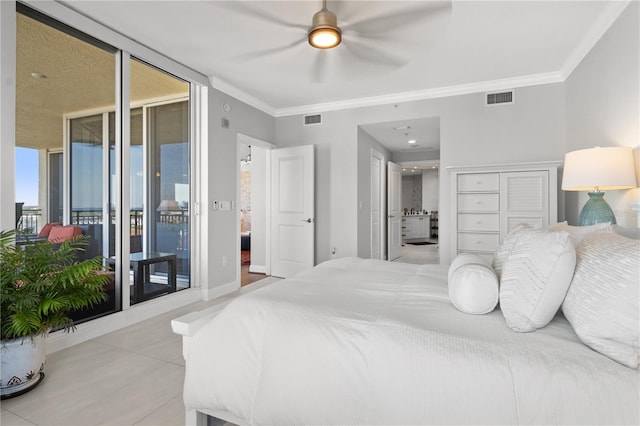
x,y
31,219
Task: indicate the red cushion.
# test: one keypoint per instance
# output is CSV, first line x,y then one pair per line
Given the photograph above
x,y
44,232
59,234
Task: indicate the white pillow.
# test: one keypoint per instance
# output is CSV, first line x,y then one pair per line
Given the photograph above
x,y
473,285
603,304
535,279
633,233
505,247
578,233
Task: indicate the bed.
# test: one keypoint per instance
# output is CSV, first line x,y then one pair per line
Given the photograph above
x,y
356,341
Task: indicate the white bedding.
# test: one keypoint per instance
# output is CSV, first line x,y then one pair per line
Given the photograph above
x,y
356,341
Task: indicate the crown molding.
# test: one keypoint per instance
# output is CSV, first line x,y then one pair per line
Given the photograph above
x,y
241,95
607,17
417,95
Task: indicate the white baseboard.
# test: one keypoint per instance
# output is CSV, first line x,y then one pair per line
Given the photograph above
x,y
91,329
221,290
258,269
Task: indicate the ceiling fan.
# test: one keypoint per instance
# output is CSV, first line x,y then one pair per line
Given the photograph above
x,y
324,32
361,39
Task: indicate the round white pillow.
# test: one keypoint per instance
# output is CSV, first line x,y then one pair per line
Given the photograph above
x,y
473,284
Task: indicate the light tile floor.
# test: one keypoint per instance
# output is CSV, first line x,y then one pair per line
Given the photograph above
x,y
132,376
421,255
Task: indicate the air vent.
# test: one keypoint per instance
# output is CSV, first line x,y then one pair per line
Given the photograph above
x,y
500,98
312,119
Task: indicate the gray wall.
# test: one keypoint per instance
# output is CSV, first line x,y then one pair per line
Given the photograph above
x,y
532,129
220,227
602,105
336,177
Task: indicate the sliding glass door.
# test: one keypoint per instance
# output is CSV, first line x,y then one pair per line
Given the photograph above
x,y
159,157
158,219
88,149
70,153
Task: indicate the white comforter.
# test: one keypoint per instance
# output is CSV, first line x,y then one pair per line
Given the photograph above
x,y
356,341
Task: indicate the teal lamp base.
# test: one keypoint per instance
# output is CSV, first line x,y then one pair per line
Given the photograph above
x,y
596,210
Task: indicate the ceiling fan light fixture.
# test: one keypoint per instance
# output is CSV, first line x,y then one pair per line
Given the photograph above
x,y
324,32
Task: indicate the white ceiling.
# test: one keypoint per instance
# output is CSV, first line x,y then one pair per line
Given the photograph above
x,y
256,50
395,135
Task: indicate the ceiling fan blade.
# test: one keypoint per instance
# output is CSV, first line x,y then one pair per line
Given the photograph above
x,y
249,56
248,8
417,13
373,52
320,66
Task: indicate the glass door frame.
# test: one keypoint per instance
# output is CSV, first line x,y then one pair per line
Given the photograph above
x,y
200,97
106,178
147,211
122,182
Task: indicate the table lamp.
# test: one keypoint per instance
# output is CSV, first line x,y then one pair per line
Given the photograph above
x,y
594,170
168,206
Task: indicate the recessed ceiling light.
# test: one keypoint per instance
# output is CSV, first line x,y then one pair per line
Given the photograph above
x,y
38,75
412,142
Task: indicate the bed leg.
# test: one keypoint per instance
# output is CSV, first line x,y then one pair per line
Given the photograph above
x,y
194,418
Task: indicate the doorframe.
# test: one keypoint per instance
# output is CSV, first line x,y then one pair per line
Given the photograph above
x,y
242,139
382,207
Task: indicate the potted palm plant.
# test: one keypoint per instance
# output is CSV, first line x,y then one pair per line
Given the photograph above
x,y
41,283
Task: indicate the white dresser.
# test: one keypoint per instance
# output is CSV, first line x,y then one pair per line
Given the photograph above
x,y
489,201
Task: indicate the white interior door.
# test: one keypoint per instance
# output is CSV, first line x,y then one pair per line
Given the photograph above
x,y
394,211
292,210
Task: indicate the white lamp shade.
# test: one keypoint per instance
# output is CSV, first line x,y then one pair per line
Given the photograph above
x,y
599,168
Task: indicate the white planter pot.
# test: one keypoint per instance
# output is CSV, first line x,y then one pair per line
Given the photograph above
x,y
22,365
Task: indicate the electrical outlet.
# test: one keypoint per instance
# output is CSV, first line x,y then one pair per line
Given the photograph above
x,y
216,204
333,252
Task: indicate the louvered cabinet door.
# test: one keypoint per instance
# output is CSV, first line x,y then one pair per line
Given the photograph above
x,y
524,198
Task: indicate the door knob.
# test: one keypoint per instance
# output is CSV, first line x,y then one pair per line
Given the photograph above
x,y
309,220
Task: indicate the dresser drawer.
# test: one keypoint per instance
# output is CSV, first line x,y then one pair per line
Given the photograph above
x,y
469,241
478,182
479,202
479,222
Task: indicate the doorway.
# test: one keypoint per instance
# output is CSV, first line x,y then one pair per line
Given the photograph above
x,y
411,151
253,208
420,200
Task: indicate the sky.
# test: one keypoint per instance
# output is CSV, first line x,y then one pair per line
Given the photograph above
x,y
174,166
27,176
